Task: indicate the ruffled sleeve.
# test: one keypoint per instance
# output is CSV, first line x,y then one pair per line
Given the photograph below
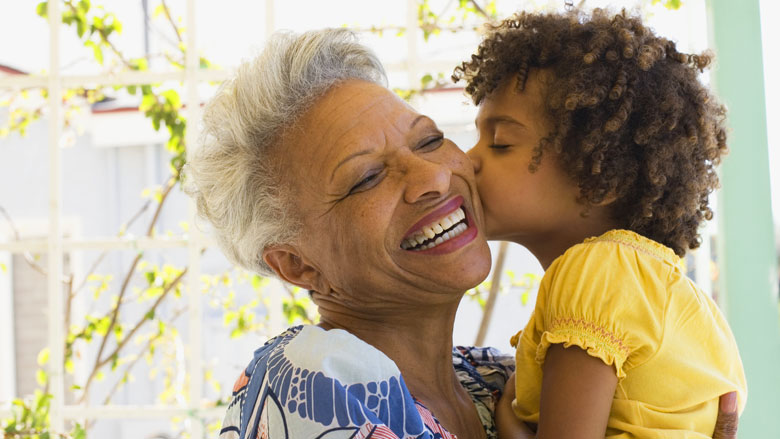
x,y
606,298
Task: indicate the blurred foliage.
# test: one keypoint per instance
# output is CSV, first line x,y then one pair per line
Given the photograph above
x,y
148,298
669,4
521,286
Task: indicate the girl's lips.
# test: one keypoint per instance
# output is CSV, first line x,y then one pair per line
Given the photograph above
x,y
446,209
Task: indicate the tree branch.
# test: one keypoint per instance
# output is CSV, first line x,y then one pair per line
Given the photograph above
x,y
104,38
99,363
479,9
132,364
105,253
125,283
176,29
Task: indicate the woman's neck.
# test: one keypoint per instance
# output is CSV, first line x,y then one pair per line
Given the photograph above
x,y
418,340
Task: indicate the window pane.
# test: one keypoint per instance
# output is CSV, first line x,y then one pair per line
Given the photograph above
x,y
19,22
24,145
116,178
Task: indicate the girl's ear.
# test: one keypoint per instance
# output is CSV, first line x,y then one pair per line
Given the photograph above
x,y
291,267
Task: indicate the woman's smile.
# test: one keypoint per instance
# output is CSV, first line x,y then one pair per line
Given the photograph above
x,y
446,229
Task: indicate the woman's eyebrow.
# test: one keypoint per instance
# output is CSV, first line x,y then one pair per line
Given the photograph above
x,y
348,158
368,151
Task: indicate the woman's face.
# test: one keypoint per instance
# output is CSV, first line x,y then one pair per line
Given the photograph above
x,y
387,204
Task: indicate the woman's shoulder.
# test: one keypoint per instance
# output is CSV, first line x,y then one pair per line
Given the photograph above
x,y
308,381
303,352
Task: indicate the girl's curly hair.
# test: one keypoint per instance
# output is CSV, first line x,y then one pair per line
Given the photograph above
x,y
630,118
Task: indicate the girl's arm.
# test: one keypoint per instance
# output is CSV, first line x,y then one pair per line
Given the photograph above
x,y
507,424
577,393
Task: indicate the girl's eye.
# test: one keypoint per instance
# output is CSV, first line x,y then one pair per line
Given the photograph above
x,y
431,143
367,183
498,146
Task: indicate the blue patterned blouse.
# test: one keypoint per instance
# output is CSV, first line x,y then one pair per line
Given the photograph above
x,y
312,383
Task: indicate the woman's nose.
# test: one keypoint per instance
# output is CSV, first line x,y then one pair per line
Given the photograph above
x,y
426,179
476,161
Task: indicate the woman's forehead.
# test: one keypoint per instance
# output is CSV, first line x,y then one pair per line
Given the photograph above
x,y
354,115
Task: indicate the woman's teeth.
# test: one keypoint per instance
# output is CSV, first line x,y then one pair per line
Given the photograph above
x,y
438,232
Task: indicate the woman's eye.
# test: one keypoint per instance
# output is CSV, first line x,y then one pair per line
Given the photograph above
x,y
365,183
431,143
499,146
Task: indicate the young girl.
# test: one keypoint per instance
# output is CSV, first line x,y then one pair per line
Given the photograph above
x,y
597,151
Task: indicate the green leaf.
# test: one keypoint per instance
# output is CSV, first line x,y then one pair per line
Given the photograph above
x,y
43,357
172,97
141,64
79,432
81,27
41,377
42,9
98,52
102,326
118,332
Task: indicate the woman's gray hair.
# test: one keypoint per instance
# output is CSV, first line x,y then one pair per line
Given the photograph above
x,y
231,176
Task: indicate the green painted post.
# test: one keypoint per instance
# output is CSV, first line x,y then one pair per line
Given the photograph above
x,y
746,241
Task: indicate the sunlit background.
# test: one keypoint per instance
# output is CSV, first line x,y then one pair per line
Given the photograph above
x,y
184,313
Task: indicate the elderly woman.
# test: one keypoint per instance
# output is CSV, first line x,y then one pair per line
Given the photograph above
x,y
313,171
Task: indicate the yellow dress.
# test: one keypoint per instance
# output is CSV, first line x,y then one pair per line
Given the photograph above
x,y
626,300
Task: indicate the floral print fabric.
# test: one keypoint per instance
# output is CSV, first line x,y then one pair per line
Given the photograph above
x,y
312,383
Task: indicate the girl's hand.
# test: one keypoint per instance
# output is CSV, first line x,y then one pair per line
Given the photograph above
x,y
726,425
507,424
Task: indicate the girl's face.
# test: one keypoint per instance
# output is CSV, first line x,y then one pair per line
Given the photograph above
x,y
539,209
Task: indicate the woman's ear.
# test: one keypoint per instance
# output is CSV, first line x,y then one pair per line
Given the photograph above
x,y
288,264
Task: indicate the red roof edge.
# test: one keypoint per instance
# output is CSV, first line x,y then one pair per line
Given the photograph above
x,y
11,70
